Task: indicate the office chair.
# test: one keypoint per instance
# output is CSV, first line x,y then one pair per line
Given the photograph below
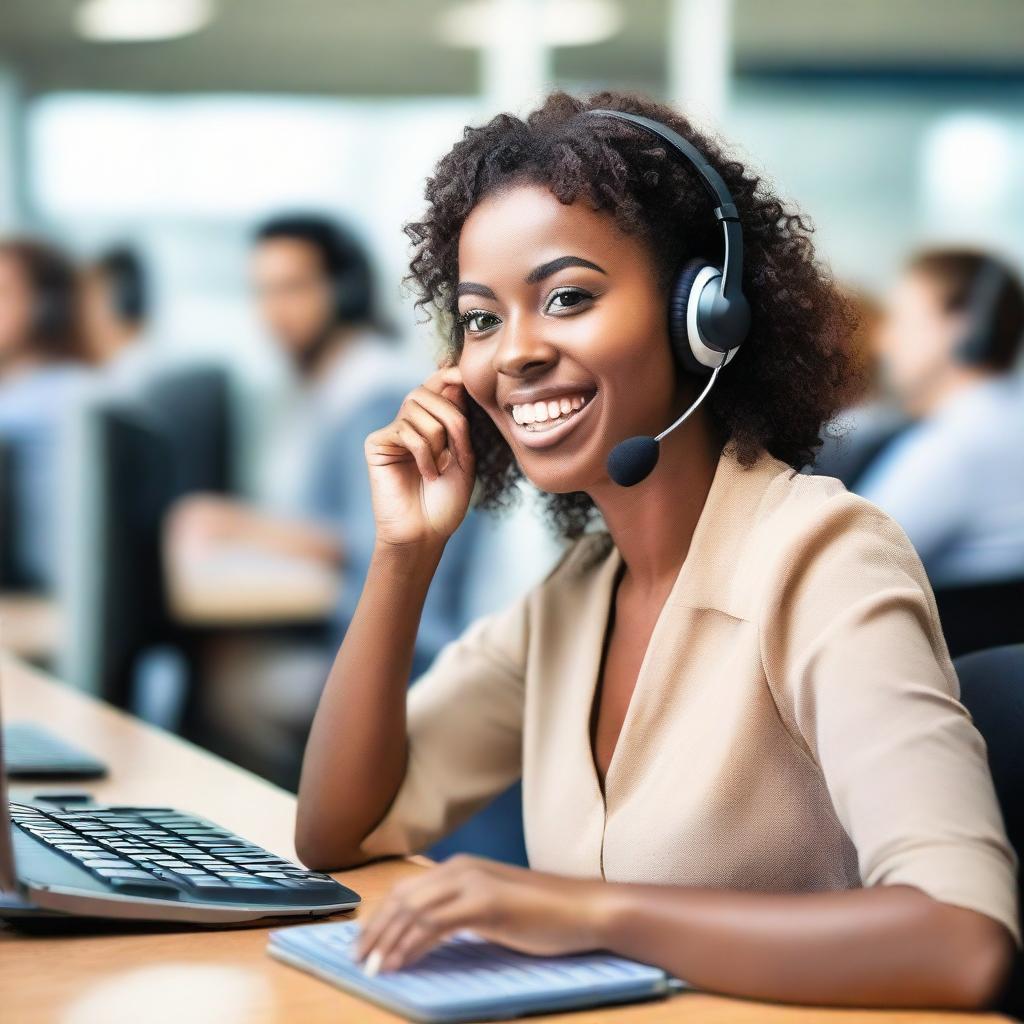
x,y
193,409
981,616
849,456
18,573
8,574
115,600
992,690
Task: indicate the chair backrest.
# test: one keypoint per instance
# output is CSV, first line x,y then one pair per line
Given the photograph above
x,y
193,408
975,618
992,690
849,456
115,599
8,574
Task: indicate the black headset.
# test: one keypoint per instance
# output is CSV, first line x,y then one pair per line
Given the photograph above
x,y
53,300
708,314
126,282
982,307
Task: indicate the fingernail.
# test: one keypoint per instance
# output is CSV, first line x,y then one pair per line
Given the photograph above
x,y
444,460
372,966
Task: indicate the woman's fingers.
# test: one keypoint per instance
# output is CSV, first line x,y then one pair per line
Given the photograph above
x,y
445,376
427,425
429,931
418,890
406,906
454,421
418,447
419,913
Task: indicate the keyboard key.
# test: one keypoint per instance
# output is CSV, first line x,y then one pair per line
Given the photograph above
x,y
152,887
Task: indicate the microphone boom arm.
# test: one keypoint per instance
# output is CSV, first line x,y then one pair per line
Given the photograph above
x,y
700,398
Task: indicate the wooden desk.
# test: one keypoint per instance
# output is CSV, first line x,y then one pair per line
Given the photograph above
x,y
240,587
30,625
220,977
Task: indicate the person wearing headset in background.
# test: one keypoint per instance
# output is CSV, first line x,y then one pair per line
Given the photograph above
x,y
314,289
951,336
42,373
115,312
724,700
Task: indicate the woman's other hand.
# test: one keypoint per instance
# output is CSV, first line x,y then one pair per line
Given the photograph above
x,y
540,914
421,464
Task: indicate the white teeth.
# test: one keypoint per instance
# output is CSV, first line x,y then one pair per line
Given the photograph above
x,y
551,412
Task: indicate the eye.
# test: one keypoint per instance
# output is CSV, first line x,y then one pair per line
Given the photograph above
x,y
475,316
568,298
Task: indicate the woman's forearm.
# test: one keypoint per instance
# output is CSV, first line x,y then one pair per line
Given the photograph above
x,y
882,946
356,754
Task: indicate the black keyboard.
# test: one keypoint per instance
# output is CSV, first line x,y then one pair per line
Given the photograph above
x,y
31,750
164,854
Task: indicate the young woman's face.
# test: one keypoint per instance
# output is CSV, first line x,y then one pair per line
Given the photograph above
x,y
566,346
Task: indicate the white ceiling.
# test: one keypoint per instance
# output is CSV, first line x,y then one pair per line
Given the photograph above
x,y
390,47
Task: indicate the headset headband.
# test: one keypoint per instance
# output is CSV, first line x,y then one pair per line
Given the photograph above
x,y
724,210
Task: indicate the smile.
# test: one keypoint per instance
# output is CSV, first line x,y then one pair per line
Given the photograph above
x,y
544,423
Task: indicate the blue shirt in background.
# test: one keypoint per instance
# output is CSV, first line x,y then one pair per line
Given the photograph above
x,y
36,409
955,483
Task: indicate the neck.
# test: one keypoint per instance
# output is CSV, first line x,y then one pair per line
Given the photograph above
x,y
944,388
652,523
117,341
323,352
19,362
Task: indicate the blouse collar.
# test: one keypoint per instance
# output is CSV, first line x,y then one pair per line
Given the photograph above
x,y
720,568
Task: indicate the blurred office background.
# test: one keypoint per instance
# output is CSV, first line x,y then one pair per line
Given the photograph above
x,y
177,126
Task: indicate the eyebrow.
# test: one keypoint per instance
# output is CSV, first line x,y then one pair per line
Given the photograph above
x,y
553,266
533,277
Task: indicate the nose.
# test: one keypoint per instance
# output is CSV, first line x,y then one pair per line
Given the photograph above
x,y
521,351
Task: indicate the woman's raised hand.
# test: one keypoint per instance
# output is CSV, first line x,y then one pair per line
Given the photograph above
x,y
421,464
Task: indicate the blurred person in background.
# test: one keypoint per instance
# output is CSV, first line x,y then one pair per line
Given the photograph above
x,y
854,437
43,371
115,313
314,293
314,289
948,342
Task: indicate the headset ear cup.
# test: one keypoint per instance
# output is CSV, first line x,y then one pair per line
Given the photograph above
x,y
679,301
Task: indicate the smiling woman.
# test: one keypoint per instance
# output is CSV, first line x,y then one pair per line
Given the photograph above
x,y
794,370
732,708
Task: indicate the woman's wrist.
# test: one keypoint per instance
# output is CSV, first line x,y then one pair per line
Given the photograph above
x,y
409,561
615,914
599,907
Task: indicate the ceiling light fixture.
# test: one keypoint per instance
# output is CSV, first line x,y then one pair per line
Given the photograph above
x,y
134,21
472,24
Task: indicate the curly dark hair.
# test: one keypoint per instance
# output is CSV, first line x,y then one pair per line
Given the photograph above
x,y
795,369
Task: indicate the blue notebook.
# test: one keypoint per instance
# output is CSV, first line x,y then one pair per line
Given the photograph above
x,y
468,979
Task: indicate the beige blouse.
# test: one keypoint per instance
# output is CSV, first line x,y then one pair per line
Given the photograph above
x,y
794,727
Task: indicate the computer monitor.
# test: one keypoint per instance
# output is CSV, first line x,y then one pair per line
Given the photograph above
x,y
8,874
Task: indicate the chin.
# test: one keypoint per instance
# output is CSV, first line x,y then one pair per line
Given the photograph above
x,y
562,477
